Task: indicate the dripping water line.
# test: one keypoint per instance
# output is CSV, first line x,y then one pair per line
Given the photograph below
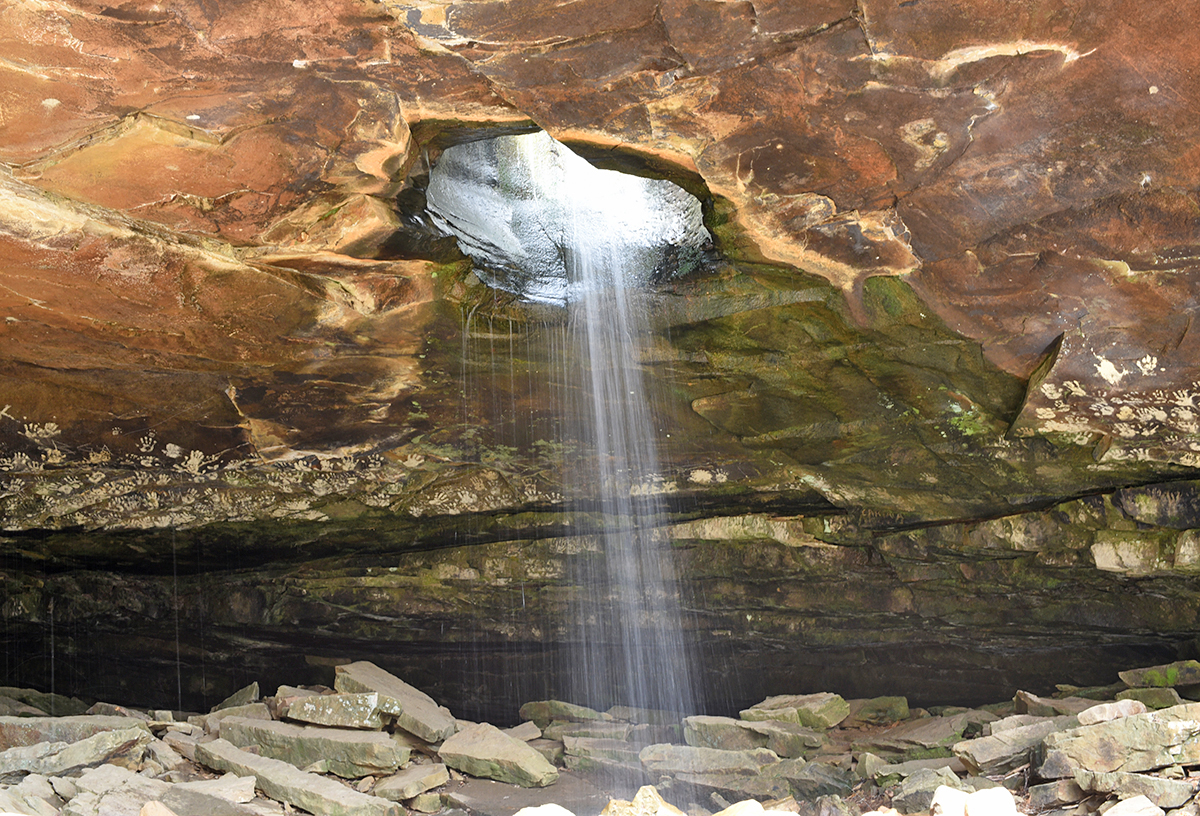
x,y
175,591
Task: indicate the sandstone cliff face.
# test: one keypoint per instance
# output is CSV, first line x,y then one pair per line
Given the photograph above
x,y
957,272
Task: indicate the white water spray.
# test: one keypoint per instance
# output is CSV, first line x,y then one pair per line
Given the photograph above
x,y
543,223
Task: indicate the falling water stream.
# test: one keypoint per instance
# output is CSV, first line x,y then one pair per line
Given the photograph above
x,y
545,225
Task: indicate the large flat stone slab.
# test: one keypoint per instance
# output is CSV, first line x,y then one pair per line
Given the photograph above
x,y
414,710
345,752
67,758
1009,749
354,710
1142,742
672,759
821,710
16,731
285,782
484,751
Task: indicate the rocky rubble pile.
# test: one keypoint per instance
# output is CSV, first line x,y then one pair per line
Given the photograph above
x,y
372,745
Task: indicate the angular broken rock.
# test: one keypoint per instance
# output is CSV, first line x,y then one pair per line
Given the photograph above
x,y
1028,703
1165,793
241,697
671,759
1008,750
821,710
737,786
1180,673
1054,794
111,789
485,751
646,802
347,753
352,710
812,780
786,739
609,749
415,711
916,793
64,758
876,711
285,783
1142,742
211,723
16,731
525,732
411,782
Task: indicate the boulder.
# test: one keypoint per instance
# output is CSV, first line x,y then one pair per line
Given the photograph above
x,y
412,781
821,710
354,710
1111,711
1135,806
211,723
525,732
887,775
592,729
485,751
1141,742
927,737
646,802
672,759
15,731
544,712
876,711
1179,673
68,758
414,710
786,739
111,790
286,783
607,749
1054,794
736,786
1153,698
1027,703
1163,792
916,793
812,780
345,752
1002,752
241,697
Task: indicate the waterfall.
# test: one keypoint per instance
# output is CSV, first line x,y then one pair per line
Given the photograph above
x,y
542,223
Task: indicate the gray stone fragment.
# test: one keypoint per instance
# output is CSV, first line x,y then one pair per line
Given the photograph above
x,y
593,730
724,733
211,723
1141,742
924,736
525,732
286,783
239,698
352,710
813,779
1165,793
347,753
737,786
610,749
876,711
412,781
414,710
1136,806
1054,794
893,774
915,793
485,751
110,790
54,705
192,802
1002,752
670,759
63,758
1028,703
16,731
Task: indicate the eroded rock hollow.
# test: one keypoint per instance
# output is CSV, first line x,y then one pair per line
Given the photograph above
x,y
928,404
